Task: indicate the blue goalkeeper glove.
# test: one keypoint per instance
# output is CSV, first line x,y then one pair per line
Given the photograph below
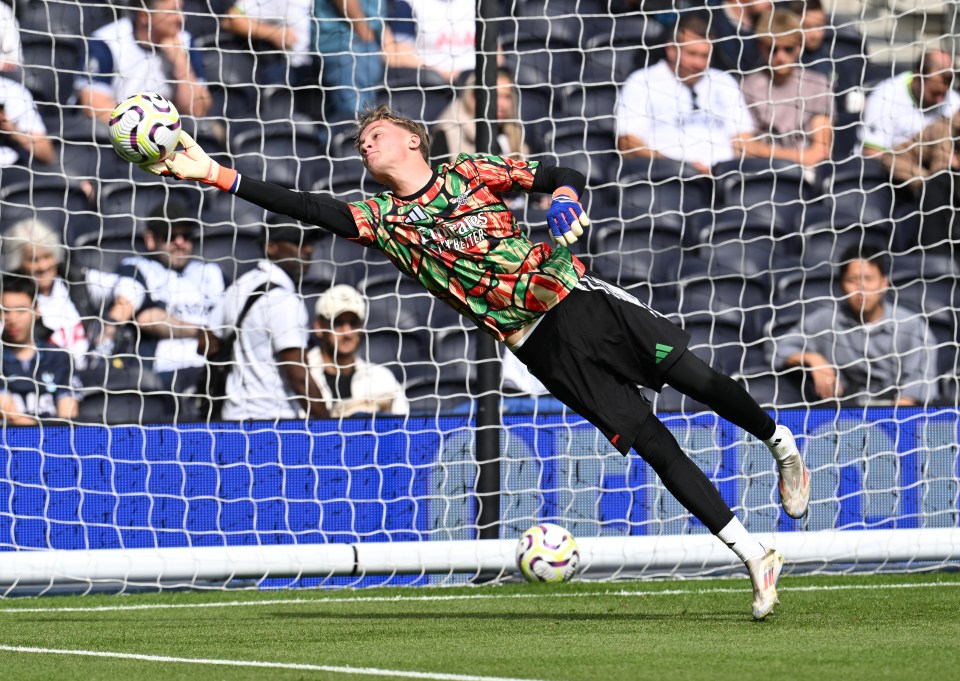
x,y
566,218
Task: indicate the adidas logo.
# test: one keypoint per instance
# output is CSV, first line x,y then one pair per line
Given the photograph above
x,y
662,351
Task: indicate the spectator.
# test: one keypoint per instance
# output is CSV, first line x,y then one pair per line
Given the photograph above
x,y
283,25
792,107
457,125
37,380
840,61
680,108
168,296
31,248
23,135
862,349
348,36
11,53
911,122
349,384
733,25
432,36
149,52
270,380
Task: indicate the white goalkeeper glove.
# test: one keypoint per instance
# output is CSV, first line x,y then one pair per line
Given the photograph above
x,y
565,217
193,163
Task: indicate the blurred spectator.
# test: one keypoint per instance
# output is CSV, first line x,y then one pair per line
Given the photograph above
x,y
792,107
283,25
456,128
11,54
149,52
841,61
349,384
23,135
860,348
435,36
270,379
37,381
732,27
348,36
680,108
168,296
30,247
911,122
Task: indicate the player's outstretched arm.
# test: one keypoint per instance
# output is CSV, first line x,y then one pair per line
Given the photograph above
x,y
193,163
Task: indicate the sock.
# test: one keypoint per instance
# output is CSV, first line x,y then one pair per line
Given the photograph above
x,y
774,442
735,535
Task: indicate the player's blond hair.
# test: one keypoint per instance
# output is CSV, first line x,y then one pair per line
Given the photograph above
x,y
382,112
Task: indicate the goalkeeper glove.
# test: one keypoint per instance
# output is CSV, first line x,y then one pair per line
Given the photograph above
x,y
565,217
193,163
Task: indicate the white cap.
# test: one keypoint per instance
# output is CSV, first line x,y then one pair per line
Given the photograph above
x,y
339,299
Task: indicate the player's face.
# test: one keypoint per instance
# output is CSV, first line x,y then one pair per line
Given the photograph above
x,y
863,287
18,315
41,266
690,56
384,145
342,337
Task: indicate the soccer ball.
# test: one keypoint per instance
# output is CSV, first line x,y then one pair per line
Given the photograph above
x,y
547,553
144,128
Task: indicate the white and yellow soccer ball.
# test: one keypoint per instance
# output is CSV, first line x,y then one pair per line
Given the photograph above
x,y
547,553
144,128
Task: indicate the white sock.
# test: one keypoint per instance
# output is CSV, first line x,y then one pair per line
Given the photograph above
x,y
774,444
735,535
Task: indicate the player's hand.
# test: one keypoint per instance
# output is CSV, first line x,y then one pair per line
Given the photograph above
x,y
566,218
193,163
826,383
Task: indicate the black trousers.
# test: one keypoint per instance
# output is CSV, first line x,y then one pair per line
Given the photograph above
x,y
594,349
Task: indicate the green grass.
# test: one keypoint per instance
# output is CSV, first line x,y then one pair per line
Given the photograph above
x,y
848,627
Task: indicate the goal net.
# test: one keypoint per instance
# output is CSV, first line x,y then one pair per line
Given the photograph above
x,y
135,488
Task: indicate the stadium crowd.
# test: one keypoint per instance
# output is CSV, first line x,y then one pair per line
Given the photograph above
x,y
731,174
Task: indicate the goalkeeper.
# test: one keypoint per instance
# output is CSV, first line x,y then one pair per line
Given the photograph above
x,y
591,343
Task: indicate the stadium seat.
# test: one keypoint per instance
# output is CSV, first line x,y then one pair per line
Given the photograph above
x,y
419,94
807,286
236,251
823,243
51,198
119,197
589,149
49,67
629,257
658,187
725,340
405,353
860,189
925,281
103,247
712,287
767,186
433,396
280,153
612,55
347,180
772,390
395,302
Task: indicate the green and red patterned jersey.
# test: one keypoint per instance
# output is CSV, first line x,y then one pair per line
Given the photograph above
x,y
459,240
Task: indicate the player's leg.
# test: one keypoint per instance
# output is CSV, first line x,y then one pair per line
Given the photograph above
x,y
694,377
692,488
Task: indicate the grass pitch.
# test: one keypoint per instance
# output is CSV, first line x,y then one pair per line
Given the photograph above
x,y
850,627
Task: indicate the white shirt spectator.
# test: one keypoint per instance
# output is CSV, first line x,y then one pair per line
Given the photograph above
x,y
371,387
444,36
11,52
60,315
686,124
276,322
891,116
120,66
189,295
294,13
20,109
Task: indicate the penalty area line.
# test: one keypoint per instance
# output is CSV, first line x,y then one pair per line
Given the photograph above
x,y
619,593
366,671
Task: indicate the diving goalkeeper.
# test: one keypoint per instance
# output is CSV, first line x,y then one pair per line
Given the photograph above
x,y
590,342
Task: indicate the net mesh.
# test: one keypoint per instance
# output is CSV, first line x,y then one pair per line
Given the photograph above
x,y
740,256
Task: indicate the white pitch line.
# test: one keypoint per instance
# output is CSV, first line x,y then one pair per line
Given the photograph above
x,y
367,671
471,597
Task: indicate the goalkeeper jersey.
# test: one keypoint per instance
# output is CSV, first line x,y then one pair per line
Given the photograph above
x,y
459,240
